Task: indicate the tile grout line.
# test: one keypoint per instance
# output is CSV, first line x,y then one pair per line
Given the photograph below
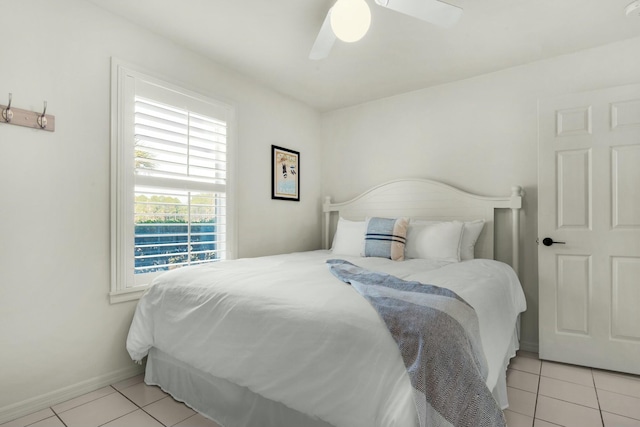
x,y
569,401
535,407
528,391
93,400
58,417
595,388
123,415
161,423
77,406
54,415
137,407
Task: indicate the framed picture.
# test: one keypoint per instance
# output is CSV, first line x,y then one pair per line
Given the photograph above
x,y
285,174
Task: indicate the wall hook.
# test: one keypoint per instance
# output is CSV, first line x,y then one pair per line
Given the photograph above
x,y
7,114
42,120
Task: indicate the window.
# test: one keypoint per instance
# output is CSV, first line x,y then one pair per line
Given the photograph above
x,y
171,169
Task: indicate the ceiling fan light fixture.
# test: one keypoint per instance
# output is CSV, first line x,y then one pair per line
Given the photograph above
x,y
633,9
350,20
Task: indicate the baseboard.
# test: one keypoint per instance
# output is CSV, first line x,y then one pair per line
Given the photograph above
x,y
26,407
529,346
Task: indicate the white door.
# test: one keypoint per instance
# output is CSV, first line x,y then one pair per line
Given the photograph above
x,y
589,198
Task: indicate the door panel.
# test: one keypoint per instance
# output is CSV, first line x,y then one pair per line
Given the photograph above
x,y
573,296
625,315
574,188
625,113
625,171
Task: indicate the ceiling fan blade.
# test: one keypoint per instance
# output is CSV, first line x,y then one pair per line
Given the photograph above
x,y
433,11
325,40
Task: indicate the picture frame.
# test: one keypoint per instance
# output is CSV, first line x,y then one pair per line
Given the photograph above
x,y
285,174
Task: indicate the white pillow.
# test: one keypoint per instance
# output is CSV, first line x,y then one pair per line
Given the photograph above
x,y
349,237
470,234
434,240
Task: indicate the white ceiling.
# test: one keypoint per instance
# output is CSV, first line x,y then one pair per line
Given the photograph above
x,y
269,41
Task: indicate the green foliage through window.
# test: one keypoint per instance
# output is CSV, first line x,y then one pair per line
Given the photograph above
x,y
172,231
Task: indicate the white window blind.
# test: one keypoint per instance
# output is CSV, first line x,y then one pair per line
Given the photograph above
x,y
178,144
171,187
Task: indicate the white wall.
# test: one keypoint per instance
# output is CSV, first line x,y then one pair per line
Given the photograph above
x,y
58,332
478,134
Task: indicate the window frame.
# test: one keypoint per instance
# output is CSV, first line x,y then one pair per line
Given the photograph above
x,y
124,78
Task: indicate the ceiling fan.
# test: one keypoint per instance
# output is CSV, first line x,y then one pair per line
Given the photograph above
x,y
349,20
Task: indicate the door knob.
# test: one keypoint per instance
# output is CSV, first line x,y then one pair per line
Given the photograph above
x,y
548,241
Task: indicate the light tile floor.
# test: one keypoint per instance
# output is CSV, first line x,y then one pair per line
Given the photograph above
x,y
548,394
130,403
541,394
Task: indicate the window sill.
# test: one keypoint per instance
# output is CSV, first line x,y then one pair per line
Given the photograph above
x,y
127,294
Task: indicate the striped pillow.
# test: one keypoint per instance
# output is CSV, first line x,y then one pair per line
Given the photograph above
x,y
385,238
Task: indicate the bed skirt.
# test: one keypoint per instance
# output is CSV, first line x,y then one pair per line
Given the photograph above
x,y
226,403
231,405
500,389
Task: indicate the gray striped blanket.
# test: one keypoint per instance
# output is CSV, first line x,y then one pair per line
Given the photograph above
x,y
438,336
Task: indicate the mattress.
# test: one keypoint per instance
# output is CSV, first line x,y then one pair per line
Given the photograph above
x,y
283,328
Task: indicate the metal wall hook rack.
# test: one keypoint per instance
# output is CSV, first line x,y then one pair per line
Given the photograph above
x,y
27,118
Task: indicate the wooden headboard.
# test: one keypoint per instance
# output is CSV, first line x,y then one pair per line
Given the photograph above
x,y
429,200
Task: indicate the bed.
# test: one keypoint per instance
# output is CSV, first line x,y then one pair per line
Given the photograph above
x,y
280,341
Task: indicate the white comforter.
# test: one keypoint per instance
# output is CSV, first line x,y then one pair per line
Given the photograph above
x,y
285,328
